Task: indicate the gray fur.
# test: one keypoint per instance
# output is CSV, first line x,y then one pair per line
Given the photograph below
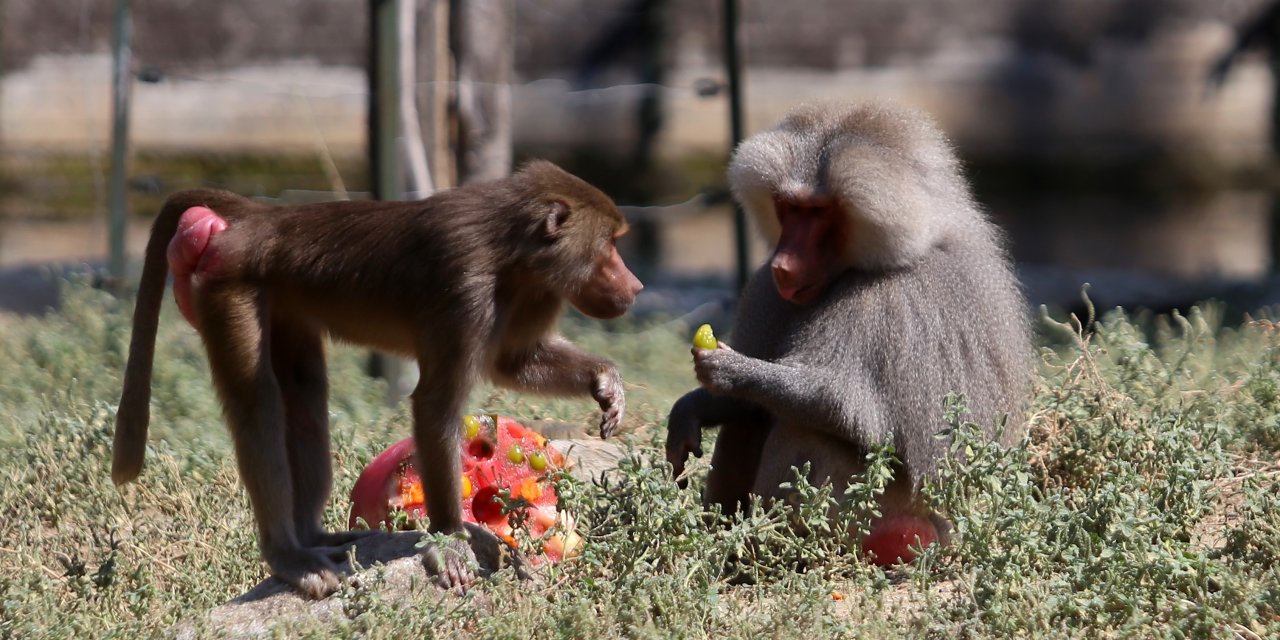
x,y
927,305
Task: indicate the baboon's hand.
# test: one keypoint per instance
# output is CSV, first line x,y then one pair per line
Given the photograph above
x,y
308,570
608,392
722,370
684,435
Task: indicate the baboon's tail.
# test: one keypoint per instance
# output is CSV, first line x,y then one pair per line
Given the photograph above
x,y
135,401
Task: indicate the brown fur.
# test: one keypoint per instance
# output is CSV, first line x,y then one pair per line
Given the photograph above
x,y
470,282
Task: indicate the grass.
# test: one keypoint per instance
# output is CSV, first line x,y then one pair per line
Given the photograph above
x,y
1143,503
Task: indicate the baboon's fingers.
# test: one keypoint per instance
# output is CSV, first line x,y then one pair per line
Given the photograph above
x,y
450,564
611,396
310,572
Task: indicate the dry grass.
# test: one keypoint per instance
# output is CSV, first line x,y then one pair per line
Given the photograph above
x,y
1142,504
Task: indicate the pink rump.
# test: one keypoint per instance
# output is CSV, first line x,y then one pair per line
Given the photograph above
x,y
188,256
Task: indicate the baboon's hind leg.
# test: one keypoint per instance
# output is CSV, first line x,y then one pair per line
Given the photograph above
x,y
298,360
234,325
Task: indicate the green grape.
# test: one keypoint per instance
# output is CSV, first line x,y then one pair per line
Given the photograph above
x,y
704,338
538,461
515,454
472,426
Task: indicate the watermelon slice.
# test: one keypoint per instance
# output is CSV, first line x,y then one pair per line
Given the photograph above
x,y
893,536
498,454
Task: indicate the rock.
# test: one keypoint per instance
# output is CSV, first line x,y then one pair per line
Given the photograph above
x,y
589,457
389,559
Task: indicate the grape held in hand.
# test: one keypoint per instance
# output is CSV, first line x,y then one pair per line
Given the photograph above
x,y
703,338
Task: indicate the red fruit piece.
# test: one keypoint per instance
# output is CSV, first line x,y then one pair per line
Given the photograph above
x,y
379,480
892,537
485,506
478,448
390,481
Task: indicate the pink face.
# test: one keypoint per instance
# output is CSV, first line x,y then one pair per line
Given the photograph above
x,y
610,290
808,255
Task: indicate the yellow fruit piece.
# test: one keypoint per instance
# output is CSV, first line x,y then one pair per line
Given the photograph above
x,y
703,338
413,495
543,518
555,458
466,487
572,543
471,426
567,543
530,489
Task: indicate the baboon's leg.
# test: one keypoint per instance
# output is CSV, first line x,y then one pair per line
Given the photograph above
x,y
437,411
297,358
234,325
734,464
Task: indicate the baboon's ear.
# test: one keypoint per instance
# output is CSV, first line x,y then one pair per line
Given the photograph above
x,y
557,215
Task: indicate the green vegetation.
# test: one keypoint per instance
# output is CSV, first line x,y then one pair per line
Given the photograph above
x,y
71,187
1143,503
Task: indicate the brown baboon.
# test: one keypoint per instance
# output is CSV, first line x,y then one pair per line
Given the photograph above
x,y
470,282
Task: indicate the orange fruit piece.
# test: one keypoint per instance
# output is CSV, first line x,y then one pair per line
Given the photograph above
x,y
390,482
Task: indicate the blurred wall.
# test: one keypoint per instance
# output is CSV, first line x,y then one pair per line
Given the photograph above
x,y
1087,125
63,103
1006,77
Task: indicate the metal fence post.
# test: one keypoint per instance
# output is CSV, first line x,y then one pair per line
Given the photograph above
x,y
733,65
122,83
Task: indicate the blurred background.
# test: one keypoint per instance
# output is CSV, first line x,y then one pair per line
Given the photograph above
x,y
1125,143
